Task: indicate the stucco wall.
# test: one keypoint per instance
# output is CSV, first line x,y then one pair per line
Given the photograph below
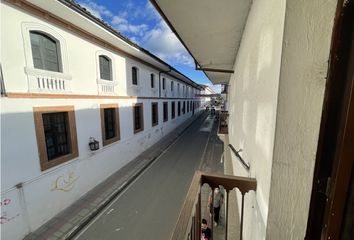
x,y
307,35
253,105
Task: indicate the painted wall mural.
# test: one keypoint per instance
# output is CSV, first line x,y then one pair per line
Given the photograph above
x,y
65,182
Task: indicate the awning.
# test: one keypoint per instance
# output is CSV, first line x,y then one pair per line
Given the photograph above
x,y
211,30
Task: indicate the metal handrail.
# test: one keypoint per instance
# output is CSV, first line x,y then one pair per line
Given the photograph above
x,y
244,164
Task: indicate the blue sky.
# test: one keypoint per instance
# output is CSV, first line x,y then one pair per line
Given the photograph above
x,y
140,22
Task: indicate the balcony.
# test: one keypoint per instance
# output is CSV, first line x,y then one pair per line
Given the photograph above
x,y
223,122
189,222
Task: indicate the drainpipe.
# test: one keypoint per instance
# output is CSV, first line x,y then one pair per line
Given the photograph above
x,y
160,80
23,205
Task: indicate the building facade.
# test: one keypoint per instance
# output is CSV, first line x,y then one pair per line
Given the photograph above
x,y
69,81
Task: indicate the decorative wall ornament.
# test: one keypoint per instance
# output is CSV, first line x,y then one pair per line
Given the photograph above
x,y
65,182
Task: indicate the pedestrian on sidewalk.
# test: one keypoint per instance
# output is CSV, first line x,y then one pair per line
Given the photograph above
x,y
217,202
206,231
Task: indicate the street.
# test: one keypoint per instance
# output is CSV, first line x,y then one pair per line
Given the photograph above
x,y
149,207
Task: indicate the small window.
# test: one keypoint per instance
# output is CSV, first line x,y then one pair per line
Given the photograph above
x,y
178,88
163,83
45,52
173,110
56,135
179,109
138,117
110,123
165,111
154,114
135,73
105,67
172,86
152,80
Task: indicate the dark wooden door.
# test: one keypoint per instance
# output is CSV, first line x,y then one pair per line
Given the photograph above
x,y
330,215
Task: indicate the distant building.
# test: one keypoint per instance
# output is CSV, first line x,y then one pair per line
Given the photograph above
x,y
69,80
207,95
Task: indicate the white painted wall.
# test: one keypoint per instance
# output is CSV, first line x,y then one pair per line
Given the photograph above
x,y
307,37
275,104
19,154
252,106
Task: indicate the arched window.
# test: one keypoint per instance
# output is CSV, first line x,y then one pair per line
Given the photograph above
x,y
45,52
105,67
135,75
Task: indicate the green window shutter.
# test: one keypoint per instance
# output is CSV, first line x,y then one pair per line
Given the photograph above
x,y
45,52
105,68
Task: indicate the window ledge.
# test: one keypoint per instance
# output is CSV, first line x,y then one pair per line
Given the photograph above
x,y
107,82
43,73
47,81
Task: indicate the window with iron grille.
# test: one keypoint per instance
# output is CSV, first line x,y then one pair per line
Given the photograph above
x,y
105,67
179,109
135,75
165,111
173,110
110,123
45,52
154,113
138,117
152,80
56,135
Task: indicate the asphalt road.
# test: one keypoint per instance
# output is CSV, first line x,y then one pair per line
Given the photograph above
x,y
148,209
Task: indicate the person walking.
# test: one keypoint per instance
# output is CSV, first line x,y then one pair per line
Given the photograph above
x,y
217,202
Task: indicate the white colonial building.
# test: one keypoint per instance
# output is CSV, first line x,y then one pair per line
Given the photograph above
x,y
67,80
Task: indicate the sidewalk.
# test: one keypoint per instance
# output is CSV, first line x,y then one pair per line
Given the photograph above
x,y
71,220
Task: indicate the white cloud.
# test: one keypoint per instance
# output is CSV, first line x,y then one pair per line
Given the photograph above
x,y
95,9
159,40
163,42
215,88
122,25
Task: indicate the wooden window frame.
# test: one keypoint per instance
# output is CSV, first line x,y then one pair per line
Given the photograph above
x,y
142,117
40,135
156,114
165,113
116,121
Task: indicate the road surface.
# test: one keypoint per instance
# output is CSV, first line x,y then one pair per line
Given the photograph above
x,y
148,209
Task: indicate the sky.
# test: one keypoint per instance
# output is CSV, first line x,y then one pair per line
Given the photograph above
x,y
141,23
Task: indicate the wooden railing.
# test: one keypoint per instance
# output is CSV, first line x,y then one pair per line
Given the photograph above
x,y
188,226
223,122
